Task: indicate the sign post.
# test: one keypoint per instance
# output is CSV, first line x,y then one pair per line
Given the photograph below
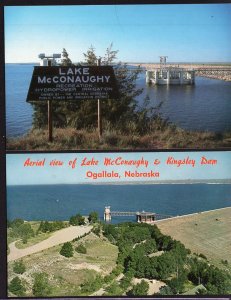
x,y
50,125
72,83
99,109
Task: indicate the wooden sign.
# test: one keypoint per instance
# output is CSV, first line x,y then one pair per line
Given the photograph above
x,y
72,83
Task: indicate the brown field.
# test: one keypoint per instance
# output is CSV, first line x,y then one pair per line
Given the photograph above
x,y
206,232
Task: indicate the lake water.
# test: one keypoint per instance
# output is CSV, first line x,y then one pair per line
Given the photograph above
x,y
59,202
205,106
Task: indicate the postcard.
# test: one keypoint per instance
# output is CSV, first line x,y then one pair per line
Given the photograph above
x,y
116,150
168,86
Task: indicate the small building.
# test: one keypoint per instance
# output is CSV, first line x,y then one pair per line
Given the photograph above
x,y
145,217
107,214
48,61
170,75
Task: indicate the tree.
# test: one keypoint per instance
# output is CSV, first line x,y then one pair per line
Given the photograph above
x,y
110,55
15,223
126,280
67,250
16,287
165,290
25,231
66,61
92,285
83,113
50,226
41,286
81,249
177,284
19,267
93,217
113,289
90,56
77,220
140,289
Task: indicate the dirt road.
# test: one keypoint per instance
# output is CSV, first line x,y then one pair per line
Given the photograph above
x,y
59,237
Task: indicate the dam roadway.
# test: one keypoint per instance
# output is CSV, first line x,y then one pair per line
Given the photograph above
x,y
206,232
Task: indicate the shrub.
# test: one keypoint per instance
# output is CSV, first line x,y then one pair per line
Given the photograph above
x,y
140,289
81,249
67,250
41,286
19,267
93,217
77,220
16,287
202,256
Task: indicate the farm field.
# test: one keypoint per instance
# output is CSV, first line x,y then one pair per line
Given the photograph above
x,y
207,233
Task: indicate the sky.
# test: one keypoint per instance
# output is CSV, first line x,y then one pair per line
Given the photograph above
x,y
73,173
141,33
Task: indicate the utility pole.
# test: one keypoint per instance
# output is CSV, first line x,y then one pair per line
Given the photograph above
x,y
47,61
50,125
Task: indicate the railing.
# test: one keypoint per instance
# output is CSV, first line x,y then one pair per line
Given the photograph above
x,y
132,213
123,213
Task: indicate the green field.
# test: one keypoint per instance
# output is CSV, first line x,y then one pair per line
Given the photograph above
x,y
207,233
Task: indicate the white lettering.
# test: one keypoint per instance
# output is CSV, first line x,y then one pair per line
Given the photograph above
x,y
107,78
100,78
62,79
85,71
60,72
42,80
56,79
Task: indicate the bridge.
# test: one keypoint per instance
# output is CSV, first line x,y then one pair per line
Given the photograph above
x,y
141,217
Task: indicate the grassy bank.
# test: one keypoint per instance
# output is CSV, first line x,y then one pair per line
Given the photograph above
x,y
159,137
207,233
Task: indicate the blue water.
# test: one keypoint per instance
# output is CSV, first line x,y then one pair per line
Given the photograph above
x,y
18,111
59,202
205,106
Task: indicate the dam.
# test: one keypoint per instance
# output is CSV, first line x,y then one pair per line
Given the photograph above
x,y
141,217
170,75
184,74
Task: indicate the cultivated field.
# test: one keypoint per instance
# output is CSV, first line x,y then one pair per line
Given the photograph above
x,y
208,233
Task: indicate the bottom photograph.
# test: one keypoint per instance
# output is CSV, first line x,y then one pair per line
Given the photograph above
x,y
119,224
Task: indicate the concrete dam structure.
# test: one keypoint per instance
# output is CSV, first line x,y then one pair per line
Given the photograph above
x,y
141,217
166,74
170,75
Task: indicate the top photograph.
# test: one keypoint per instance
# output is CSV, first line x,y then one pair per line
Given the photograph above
x,y
118,77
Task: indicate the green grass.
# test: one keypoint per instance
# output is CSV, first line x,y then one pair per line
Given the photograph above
x,y
34,240
207,233
65,275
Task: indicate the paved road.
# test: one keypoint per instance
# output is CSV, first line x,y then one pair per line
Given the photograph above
x,y
59,237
